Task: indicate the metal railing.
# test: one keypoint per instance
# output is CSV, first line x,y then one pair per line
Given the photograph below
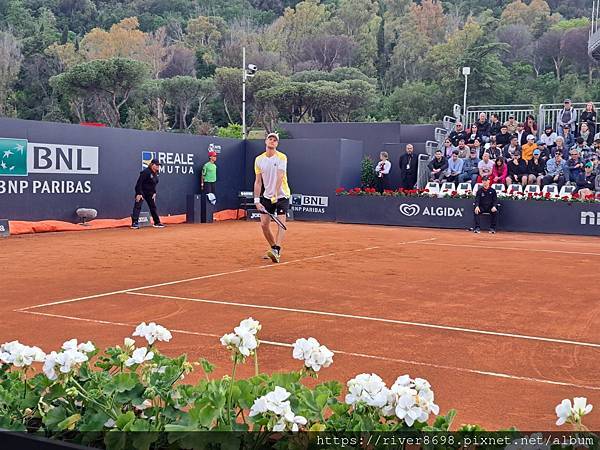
x,y
431,147
440,134
449,123
422,171
504,111
548,114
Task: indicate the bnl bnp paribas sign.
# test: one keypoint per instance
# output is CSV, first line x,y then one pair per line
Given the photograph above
x,y
20,158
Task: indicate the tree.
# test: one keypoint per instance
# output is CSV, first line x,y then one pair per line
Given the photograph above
x,y
10,65
108,82
123,40
329,52
576,50
187,94
182,62
520,41
550,45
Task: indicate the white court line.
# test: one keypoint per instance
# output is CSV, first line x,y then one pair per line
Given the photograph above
x,y
352,354
375,319
487,247
214,275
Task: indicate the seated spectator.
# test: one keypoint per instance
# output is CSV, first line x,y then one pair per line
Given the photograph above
x,y
518,173
557,171
493,149
470,168
560,147
463,150
569,137
455,168
486,201
448,148
485,166
530,125
457,134
495,125
586,181
521,134
537,168
586,134
503,137
511,124
499,172
580,146
528,148
477,147
575,164
511,148
567,118
589,117
437,166
483,127
545,152
548,137
382,172
473,136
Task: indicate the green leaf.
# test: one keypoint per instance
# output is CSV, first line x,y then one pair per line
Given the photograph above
x,y
69,422
121,383
125,419
92,422
207,367
54,417
205,411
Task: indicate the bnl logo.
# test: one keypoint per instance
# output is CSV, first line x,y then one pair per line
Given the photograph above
x,y
310,200
590,218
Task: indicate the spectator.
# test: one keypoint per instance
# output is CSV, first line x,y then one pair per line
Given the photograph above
x,y
580,146
557,171
457,134
569,137
408,168
473,135
477,147
528,148
545,152
585,134
503,137
589,117
511,124
470,168
567,117
549,137
537,168
512,147
574,164
531,125
495,125
560,147
463,150
521,135
455,168
485,167
437,166
483,127
447,148
499,172
486,201
382,170
518,172
493,149
586,181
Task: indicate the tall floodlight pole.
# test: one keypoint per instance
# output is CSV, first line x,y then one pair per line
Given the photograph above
x,y
244,75
466,72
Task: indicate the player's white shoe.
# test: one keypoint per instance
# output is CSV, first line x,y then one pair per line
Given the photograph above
x,y
273,255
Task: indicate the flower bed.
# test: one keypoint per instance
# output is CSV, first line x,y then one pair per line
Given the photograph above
x,y
132,397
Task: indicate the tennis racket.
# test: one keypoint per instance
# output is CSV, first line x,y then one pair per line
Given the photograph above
x,y
275,219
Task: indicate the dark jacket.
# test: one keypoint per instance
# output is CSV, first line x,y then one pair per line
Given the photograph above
x,y
538,168
507,154
503,139
483,128
517,169
414,163
486,198
495,128
146,183
435,164
586,181
456,136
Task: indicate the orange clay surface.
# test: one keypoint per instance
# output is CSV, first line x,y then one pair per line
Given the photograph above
x,y
503,326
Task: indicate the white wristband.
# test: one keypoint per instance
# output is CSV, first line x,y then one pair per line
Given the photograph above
x,y
256,200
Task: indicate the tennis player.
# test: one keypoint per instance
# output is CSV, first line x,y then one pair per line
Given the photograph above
x,y
270,168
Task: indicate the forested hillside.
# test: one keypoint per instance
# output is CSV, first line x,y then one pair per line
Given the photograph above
x,y
176,64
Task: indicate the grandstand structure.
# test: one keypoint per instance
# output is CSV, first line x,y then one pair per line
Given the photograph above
x,y
594,39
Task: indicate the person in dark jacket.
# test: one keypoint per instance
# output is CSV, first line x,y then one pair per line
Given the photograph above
x,y
537,168
486,200
145,189
457,134
586,181
517,171
409,164
503,137
437,167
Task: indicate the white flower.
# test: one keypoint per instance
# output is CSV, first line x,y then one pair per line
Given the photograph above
x,y
368,389
139,356
572,414
275,404
247,343
71,344
250,325
128,343
20,355
152,332
314,355
65,361
243,339
49,365
302,348
230,340
410,400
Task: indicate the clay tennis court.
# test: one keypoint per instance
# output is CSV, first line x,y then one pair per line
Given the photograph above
x,y
504,327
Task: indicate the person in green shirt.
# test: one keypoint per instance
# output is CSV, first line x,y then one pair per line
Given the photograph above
x,y
208,179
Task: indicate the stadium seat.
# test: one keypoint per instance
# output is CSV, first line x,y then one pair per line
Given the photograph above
x,y
477,187
500,189
552,189
567,190
532,188
464,188
447,188
514,189
433,187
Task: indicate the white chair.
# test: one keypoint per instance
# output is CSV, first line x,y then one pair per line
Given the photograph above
x,y
433,187
447,188
500,189
532,189
477,187
567,191
464,188
515,189
552,189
